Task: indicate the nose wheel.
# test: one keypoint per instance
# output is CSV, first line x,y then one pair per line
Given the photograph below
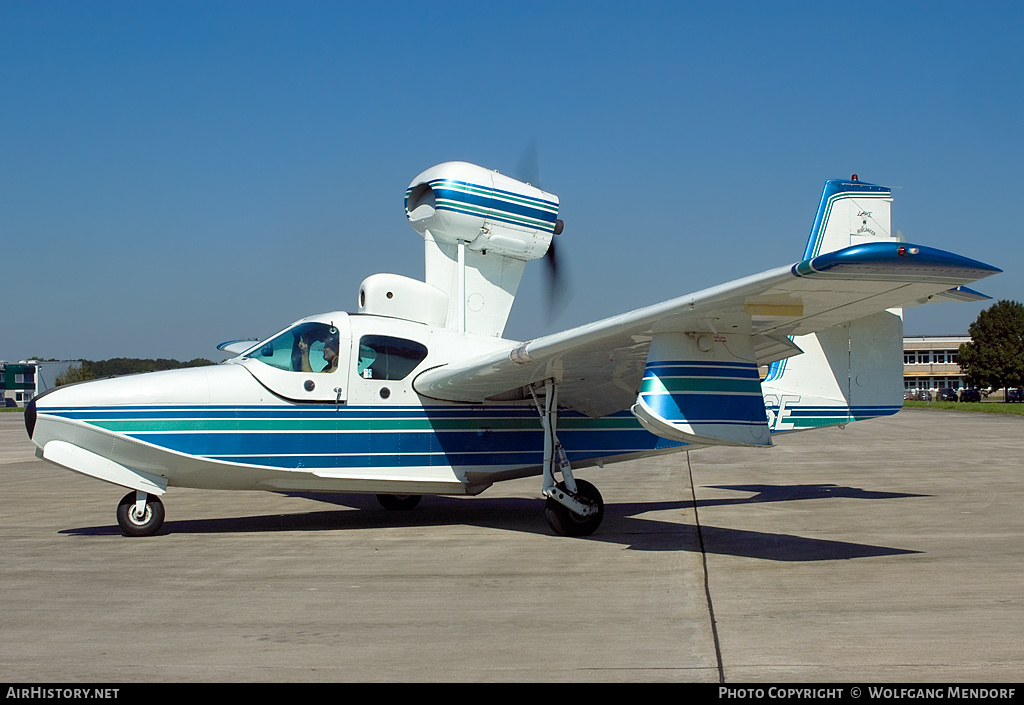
x,y
140,514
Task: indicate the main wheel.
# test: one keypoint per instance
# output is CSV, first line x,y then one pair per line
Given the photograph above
x,y
399,502
566,522
134,525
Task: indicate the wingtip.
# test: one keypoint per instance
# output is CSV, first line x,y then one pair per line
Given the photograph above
x,y
918,262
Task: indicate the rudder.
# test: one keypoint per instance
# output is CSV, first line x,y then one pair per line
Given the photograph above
x,y
853,371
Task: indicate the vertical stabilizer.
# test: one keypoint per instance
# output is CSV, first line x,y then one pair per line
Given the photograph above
x,y
853,371
850,213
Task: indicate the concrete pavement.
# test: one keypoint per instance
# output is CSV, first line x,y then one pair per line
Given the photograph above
x,y
888,551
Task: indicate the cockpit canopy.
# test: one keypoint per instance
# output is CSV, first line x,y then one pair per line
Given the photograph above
x,y
307,361
322,358
307,347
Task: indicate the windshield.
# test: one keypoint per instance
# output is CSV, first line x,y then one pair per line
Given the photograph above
x,y
307,347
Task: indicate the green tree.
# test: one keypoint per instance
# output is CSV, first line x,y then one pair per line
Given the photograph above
x,y
75,373
995,356
130,365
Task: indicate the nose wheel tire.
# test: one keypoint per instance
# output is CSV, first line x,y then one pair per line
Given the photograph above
x,y
134,524
399,502
566,522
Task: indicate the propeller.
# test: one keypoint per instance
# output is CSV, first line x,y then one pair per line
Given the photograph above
x,y
556,280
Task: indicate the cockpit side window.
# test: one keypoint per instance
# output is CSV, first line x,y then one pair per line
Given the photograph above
x,y
384,357
307,347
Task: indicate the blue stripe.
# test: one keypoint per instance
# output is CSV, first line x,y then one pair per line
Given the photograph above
x,y
548,226
705,408
305,411
836,411
471,445
493,204
735,370
543,203
776,369
456,448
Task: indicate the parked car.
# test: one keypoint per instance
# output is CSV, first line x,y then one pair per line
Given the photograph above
x,y
946,394
909,395
1016,395
970,395
923,395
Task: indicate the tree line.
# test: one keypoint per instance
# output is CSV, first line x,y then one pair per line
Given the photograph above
x,y
98,369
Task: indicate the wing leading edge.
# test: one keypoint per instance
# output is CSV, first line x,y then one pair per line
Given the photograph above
x,y
599,366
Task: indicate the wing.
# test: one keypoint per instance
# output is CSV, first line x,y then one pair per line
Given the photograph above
x,y
599,366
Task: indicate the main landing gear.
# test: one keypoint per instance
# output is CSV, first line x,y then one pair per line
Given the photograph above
x,y
399,502
573,507
140,514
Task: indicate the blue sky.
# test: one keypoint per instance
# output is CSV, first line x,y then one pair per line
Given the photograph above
x,y
177,174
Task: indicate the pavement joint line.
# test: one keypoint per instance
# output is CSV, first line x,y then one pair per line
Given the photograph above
x,y
707,577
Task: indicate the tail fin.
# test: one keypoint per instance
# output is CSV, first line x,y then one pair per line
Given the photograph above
x,y
853,371
850,213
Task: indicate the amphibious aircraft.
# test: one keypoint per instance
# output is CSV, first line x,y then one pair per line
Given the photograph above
x,y
418,393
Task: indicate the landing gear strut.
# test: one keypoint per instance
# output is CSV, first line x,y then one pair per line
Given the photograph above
x,y
573,507
140,514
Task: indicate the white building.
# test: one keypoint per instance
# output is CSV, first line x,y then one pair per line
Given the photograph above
x,y
931,362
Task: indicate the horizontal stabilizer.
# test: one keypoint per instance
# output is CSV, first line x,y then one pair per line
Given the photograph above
x,y
960,293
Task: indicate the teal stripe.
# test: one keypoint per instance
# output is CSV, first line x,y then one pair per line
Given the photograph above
x,y
497,194
700,384
358,425
469,208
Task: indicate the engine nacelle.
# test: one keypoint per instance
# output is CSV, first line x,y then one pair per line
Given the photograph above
x,y
460,202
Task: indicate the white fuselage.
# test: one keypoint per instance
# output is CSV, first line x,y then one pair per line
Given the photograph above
x,y
247,424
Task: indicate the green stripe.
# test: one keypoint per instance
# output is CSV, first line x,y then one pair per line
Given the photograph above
x,y
699,384
804,268
312,425
820,421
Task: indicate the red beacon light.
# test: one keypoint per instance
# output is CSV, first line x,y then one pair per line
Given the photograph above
x,y
904,251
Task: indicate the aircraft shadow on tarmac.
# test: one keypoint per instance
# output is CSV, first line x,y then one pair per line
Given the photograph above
x,y
624,523
787,493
